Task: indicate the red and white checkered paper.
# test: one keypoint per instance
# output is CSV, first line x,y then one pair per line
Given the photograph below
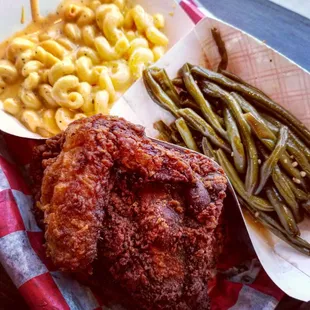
x,y
241,282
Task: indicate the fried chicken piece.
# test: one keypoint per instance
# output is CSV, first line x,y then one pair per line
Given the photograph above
x,y
153,212
74,193
159,243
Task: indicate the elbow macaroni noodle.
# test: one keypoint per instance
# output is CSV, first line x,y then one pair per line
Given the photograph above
x,y
45,57
32,81
85,89
23,58
73,32
79,14
29,99
105,83
18,45
12,106
90,53
60,69
8,73
54,48
89,33
64,117
45,91
64,93
31,66
31,119
120,74
80,64
102,102
139,59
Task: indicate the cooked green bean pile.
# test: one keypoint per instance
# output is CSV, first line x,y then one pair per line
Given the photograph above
x,y
263,149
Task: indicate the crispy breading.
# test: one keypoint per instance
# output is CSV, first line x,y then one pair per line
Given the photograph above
x,y
146,213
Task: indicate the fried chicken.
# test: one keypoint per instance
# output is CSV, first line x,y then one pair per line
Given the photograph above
x,y
149,215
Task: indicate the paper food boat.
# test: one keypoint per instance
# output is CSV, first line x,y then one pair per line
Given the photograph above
x,y
255,62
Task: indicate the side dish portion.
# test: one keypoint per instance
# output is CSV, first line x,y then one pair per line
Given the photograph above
x,y
77,62
149,215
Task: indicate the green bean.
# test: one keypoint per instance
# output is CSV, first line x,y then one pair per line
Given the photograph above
x,y
248,108
186,134
157,94
273,128
199,124
238,79
261,216
221,48
217,105
266,136
295,151
261,130
271,162
175,136
284,184
300,134
262,149
187,101
284,213
221,120
256,202
178,82
292,136
248,141
286,192
190,66
299,241
299,193
233,104
162,137
162,78
292,146
291,241
258,99
204,105
257,214
235,141
161,126
271,119
207,148
269,222
163,129
300,158
218,114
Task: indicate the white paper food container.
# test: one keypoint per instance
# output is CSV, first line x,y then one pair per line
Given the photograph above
x,y
284,81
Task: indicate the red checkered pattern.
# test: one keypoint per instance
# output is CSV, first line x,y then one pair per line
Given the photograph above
x,y
241,282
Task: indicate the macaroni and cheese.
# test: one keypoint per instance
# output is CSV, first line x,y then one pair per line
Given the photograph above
x,y
79,63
